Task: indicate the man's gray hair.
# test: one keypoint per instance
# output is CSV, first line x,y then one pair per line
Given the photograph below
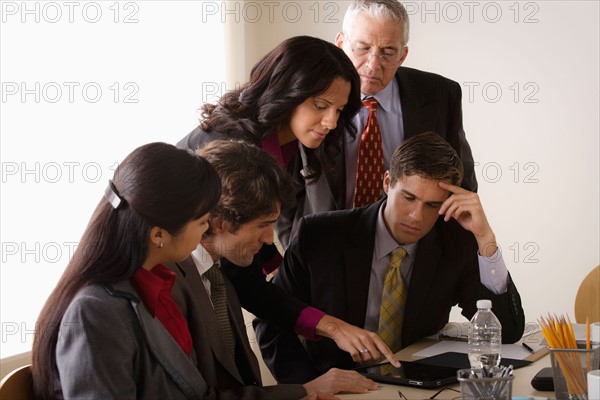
x,y
378,9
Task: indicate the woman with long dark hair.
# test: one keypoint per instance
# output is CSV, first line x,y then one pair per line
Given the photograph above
x,y
110,328
297,105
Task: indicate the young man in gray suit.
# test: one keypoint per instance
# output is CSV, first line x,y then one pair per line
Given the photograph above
x,y
254,189
446,255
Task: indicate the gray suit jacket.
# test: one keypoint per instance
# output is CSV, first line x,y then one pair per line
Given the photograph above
x,y
110,347
235,379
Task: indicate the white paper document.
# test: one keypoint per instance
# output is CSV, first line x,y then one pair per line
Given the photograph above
x,y
515,351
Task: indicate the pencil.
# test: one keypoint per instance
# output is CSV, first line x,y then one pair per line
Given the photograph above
x,y
588,344
559,334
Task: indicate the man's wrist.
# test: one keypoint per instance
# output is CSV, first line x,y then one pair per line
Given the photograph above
x,y
487,245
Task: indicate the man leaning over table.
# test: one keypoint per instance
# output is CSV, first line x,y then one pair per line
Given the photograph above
x,y
254,189
339,263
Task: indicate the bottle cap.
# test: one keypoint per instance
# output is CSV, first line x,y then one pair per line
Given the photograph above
x,y
487,304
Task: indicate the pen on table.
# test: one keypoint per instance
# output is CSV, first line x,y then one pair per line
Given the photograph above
x,y
454,338
529,349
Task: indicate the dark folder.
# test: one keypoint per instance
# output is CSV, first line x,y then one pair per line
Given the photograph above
x,y
461,360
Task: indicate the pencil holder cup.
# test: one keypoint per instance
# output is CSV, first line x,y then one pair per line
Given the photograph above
x,y
593,381
473,387
569,370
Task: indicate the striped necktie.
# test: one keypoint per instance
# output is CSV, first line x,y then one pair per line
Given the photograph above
x,y
369,171
218,295
393,298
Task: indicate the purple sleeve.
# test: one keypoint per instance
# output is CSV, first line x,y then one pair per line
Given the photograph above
x,y
306,324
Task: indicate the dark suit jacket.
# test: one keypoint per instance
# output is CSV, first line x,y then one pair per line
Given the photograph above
x,y
430,102
329,266
237,378
256,295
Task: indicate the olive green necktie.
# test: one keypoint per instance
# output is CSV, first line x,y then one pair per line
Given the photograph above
x,y
393,298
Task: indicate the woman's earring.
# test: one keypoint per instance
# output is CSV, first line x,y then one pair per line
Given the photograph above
x,y
160,245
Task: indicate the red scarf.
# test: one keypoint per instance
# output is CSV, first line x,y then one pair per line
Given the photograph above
x,y
154,287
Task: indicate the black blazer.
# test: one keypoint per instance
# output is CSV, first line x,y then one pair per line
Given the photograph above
x,y
256,295
430,102
329,266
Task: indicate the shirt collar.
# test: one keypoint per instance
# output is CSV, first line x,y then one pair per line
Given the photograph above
x,y
202,259
150,284
283,154
384,242
385,97
271,145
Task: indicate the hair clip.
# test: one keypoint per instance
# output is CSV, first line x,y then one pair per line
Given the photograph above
x,y
111,195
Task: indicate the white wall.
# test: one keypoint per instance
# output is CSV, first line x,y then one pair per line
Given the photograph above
x,y
529,72
545,209
549,211
164,60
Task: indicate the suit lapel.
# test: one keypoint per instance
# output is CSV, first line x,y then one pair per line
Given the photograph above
x,y
336,178
239,327
358,257
202,302
328,192
413,99
164,348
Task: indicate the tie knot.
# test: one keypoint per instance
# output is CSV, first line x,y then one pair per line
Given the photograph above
x,y
397,256
214,275
371,103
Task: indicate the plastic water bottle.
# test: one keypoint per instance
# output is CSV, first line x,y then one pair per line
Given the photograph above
x,y
485,337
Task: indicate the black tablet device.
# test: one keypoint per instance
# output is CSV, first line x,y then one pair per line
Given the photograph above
x,y
411,374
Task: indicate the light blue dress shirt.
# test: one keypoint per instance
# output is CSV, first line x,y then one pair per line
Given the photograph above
x,y
389,117
492,270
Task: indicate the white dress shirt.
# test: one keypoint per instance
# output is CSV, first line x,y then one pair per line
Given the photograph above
x,y
203,262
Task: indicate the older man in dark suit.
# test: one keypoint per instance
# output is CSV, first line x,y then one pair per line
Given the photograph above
x,y
395,267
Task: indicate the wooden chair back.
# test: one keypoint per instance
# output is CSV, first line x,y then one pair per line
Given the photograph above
x,y
587,301
17,385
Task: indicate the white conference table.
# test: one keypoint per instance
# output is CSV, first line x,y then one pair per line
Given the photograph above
x,y
521,384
